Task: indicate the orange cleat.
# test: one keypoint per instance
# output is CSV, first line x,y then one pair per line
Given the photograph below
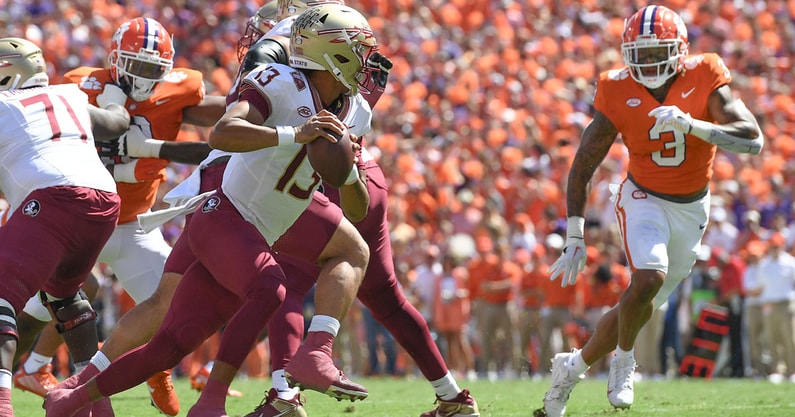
x,y
162,393
199,380
40,382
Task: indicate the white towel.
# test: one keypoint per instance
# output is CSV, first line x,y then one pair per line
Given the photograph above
x,y
185,190
154,219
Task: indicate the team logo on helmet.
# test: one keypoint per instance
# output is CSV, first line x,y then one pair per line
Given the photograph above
x,y
32,208
211,204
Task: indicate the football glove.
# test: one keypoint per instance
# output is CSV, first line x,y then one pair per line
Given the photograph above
x,y
134,143
671,117
572,260
378,72
381,66
109,153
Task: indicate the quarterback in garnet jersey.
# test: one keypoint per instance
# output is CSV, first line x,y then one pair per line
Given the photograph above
x,y
673,111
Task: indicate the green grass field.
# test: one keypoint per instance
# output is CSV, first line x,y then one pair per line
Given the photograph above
x,y
410,397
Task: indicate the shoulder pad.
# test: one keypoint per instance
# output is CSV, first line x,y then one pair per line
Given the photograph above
x,y
266,51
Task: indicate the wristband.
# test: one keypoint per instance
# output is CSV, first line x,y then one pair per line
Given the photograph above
x,y
575,227
353,176
286,135
150,148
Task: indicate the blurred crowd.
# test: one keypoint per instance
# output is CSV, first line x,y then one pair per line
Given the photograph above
x,y
476,133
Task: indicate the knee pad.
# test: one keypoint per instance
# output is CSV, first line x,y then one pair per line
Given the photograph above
x,y
8,319
70,312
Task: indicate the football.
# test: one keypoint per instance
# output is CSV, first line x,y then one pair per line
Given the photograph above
x,y
332,161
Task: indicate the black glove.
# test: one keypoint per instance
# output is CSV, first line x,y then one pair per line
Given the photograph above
x,y
109,152
381,66
378,67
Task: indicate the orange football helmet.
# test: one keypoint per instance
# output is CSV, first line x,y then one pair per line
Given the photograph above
x,y
654,45
141,54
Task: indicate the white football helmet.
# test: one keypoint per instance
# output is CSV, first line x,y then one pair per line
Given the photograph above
x,y
257,25
333,38
22,65
287,8
654,45
141,54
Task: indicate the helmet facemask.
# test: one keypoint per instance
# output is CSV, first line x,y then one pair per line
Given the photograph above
x,y
257,26
654,45
652,62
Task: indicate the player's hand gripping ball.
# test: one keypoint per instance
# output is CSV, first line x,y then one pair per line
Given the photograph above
x,y
332,161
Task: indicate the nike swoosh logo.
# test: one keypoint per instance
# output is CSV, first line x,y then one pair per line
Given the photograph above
x,y
686,94
702,226
159,102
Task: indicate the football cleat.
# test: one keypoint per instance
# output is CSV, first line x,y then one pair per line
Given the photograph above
x,y
313,368
462,405
40,382
273,406
620,383
562,383
162,394
199,380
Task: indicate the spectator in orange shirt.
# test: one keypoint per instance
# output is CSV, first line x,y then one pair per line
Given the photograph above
x,y
560,305
493,278
451,315
606,279
730,295
531,292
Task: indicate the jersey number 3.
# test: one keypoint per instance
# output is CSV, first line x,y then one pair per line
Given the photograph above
x,y
674,153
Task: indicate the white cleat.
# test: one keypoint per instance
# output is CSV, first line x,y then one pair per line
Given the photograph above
x,y
620,390
563,381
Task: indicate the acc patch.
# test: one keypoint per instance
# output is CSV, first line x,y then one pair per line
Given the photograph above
x,y
32,208
211,204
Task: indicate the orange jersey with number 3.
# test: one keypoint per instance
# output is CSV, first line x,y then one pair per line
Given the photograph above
x,y
666,162
160,117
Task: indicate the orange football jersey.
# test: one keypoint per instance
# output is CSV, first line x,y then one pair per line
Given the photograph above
x,y
665,162
159,117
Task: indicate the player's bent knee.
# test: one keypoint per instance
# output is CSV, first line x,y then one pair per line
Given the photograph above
x,y
70,312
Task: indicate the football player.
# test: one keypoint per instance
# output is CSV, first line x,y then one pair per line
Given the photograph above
x,y
379,290
66,204
673,110
159,98
267,185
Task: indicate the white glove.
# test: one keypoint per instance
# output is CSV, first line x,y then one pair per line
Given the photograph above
x,y
125,172
671,117
112,94
134,143
572,260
